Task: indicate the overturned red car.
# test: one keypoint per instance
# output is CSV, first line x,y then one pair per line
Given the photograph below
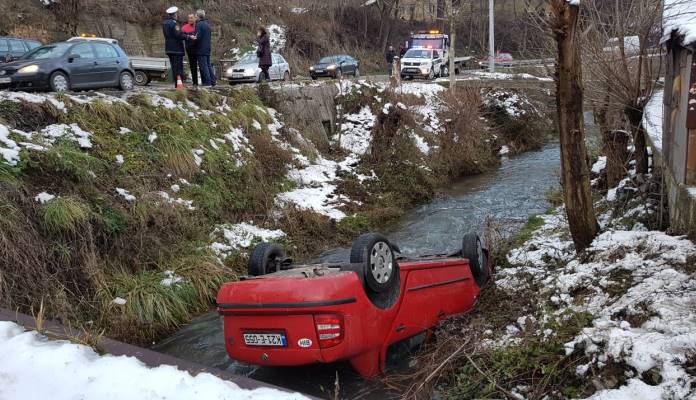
x,y
284,315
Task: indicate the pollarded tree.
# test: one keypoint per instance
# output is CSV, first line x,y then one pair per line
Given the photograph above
x,y
562,21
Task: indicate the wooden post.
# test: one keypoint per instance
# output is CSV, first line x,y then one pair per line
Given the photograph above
x,y
569,97
691,127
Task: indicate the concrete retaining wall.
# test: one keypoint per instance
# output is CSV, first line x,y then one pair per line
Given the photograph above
x,y
311,109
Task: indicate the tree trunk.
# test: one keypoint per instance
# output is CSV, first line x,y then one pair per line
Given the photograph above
x,y
615,143
640,152
569,96
453,37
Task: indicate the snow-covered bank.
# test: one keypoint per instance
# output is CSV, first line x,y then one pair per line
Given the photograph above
x,y
34,367
639,288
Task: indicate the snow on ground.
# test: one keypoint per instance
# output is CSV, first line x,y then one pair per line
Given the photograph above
x,y
240,236
277,37
652,119
36,367
356,131
9,150
44,197
599,165
316,189
626,275
513,104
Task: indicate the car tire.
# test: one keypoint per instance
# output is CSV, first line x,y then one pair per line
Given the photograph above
x,y
126,81
357,72
431,75
472,249
286,76
339,74
314,78
141,78
376,255
59,82
264,258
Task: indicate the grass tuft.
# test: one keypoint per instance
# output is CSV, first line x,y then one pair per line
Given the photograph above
x,y
64,215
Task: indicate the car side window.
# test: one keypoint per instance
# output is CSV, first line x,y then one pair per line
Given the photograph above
x,y
84,50
275,59
436,55
281,60
17,46
105,51
4,46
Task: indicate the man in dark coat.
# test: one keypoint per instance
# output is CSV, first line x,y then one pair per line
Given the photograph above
x,y
174,43
391,53
264,53
203,49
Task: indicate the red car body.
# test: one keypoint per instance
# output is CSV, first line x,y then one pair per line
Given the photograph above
x,y
326,316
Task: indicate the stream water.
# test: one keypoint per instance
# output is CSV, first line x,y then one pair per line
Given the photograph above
x,y
509,194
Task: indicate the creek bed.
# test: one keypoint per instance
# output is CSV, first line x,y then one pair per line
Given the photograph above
x,y
509,194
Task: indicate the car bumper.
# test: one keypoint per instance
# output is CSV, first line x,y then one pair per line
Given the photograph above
x,y
37,81
323,73
413,71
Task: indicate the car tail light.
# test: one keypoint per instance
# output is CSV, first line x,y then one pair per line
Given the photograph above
x,y
329,329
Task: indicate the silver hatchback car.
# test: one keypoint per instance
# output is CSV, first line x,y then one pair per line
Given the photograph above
x,y
247,70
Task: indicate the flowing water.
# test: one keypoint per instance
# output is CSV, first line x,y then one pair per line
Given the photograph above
x,y
509,194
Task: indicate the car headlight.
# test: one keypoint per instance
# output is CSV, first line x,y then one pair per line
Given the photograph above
x,y
332,66
311,68
425,64
29,69
425,70
229,71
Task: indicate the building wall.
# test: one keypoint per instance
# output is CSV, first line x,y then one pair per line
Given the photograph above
x,y
680,197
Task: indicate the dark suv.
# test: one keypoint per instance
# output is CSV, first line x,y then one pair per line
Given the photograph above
x,y
13,48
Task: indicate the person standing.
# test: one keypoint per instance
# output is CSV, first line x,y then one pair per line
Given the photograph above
x,y
264,53
203,49
189,28
174,42
391,53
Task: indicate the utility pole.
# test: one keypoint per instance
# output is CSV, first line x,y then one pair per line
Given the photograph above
x,y
452,36
491,38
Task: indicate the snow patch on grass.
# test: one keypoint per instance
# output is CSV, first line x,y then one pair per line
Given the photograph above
x,y
241,236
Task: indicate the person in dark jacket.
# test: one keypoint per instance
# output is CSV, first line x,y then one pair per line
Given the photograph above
x,y
264,53
391,53
174,43
203,49
189,28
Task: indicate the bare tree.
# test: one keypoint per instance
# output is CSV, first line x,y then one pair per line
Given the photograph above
x,y
562,20
619,38
67,13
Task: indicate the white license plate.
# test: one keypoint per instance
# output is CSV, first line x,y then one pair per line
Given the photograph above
x,y
320,71
5,80
265,339
238,75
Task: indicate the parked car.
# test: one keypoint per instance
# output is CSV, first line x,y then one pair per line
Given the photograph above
x,y
78,64
13,48
285,315
503,59
335,67
423,63
247,70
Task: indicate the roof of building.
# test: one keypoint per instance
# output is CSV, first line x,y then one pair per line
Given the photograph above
x,y
679,17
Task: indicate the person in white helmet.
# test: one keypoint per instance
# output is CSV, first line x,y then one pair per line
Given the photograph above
x,y
174,42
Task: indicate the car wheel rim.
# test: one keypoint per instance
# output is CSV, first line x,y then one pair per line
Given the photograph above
x,y
60,83
381,262
139,78
126,81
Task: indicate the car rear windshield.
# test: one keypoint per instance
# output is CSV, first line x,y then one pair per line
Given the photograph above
x,y
417,53
46,52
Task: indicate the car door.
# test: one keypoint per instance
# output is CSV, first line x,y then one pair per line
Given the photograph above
x,y
82,70
108,64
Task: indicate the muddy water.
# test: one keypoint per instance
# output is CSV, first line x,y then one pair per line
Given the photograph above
x,y
510,194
